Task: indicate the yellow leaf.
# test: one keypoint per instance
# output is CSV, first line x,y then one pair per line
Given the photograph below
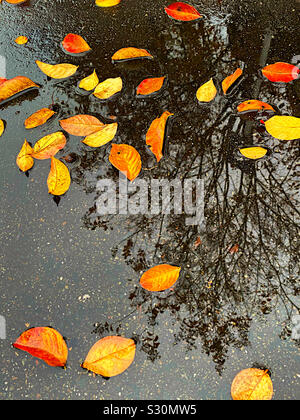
x,y
58,71
252,385
107,3
89,83
207,92
254,152
102,137
49,145
24,158
1,127
108,88
59,179
284,127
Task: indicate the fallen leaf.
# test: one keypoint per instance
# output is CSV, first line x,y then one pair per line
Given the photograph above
x,y
252,385
81,125
130,53
281,72
198,242
234,249
182,11
2,127
48,146
284,127
12,87
156,134
38,118
253,152
21,40
24,158
160,277
110,356
108,88
103,136
207,92
57,71
254,105
230,80
149,86
89,83
59,179
107,3
15,1
44,343
126,159
75,44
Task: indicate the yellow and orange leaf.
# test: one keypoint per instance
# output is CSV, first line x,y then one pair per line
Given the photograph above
x,y
21,40
252,385
284,127
207,92
149,86
81,125
11,87
90,82
59,179
44,343
131,53
110,356
48,146
160,277
38,118
230,80
103,136
254,105
126,159
108,88
2,127
156,134
24,158
57,71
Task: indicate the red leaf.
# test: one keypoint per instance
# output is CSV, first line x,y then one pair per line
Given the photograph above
x,y
182,11
75,44
281,72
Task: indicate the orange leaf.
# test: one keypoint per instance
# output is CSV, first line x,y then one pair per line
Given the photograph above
x,y
160,278
75,44
44,343
59,179
130,53
14,86
15,1
57,71
254,105
48,146
38,118
81,125
281,72
21,40
24,158
230,80
148,86
110,356
126,159
156,134
252,385
182,11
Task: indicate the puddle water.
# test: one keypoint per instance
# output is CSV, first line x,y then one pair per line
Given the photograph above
x,y
68,267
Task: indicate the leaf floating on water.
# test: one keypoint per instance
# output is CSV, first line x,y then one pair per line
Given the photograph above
x,y
156,134
75,44
24,158
183,12
57,71
110,356
160,278
81,125
281,72
15,1
130,53
21,40
284,127
89,83
44,343
230,80
2,127
254,105
126,159
252,385
48,146
38,118
207,92
11,87
59,179
107,3
103,136
253,152
149,86
108,88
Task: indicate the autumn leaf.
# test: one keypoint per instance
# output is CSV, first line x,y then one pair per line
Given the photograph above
x,y
81,125
131,53
107,3
207,92
21,40
24,158
156,134
254,105
230,80
281,72
126,159
57,71
149,86
89,83
38,118
252,385
110,356
284,127
160,277
44,343
59,179
108,88
12,87
15,1
49,145
75,44
253,152
103,136
2,127
182,11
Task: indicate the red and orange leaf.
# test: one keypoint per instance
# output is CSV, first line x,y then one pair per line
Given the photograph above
x,y
81,125
59,179
110,356
160,277
2,80
24,158
281,72
130,53
126,159
48,146
254,105
21,40
149,86
182,11
230,80
38,118
11,87
252,385
44,343
156,134
75,44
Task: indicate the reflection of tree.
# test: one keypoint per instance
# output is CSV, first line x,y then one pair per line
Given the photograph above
x,y
252,205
